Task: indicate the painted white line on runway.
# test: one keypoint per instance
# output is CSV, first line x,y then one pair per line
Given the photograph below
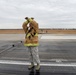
x,y
42,63
58,37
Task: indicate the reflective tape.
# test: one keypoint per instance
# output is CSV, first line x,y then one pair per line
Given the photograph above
x,y
31,44
26,22
30,19
36,34
30,34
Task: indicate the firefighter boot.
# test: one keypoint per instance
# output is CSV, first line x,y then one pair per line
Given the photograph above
x,y
31,66
38,67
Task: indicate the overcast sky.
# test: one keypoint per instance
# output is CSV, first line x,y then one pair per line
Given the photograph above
x,y
48,13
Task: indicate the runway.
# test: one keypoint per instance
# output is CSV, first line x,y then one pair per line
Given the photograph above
x,y
57,54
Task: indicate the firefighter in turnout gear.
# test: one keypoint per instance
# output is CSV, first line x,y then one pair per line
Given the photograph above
x,y
30,27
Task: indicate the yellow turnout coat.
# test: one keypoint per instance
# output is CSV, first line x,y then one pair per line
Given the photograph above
x,y
31,38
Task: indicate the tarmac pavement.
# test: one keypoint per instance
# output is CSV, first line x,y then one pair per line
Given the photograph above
x,y
57,54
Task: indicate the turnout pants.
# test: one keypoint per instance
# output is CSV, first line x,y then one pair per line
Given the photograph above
x,y
33,54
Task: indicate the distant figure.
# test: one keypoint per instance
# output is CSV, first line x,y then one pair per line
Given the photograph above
x,y
31,41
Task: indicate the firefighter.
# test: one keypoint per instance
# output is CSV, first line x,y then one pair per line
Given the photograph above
x,y
31,41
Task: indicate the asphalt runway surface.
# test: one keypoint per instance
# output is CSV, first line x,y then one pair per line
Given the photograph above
x,y
57,55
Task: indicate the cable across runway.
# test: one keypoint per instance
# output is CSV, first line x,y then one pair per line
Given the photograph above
x,y
10,46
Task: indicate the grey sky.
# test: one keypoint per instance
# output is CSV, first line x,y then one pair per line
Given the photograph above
x,y
48,13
